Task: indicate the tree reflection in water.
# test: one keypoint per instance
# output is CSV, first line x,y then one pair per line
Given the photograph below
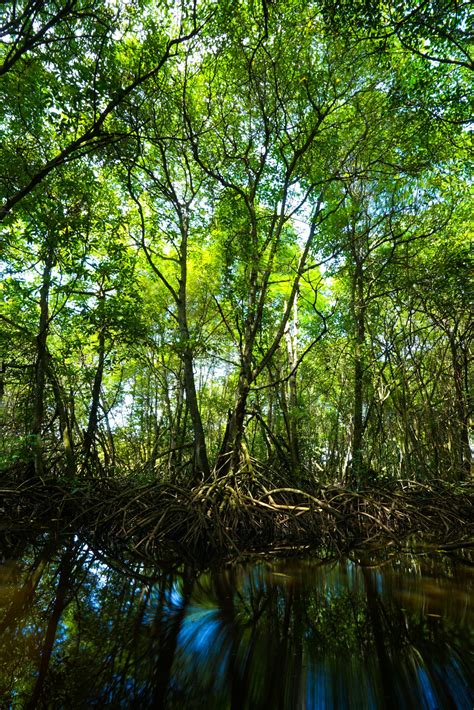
x,y
283,634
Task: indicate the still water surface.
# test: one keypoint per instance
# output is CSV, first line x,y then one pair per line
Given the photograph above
x,y
76,632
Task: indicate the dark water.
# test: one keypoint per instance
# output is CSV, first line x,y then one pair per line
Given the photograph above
x,y
77,633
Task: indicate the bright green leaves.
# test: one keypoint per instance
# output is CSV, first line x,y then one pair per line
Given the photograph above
x,y
246,200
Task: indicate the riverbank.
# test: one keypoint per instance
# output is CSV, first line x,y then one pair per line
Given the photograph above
x,y
231,516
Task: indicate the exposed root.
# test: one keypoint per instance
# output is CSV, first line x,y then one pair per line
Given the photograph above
x,y
236,513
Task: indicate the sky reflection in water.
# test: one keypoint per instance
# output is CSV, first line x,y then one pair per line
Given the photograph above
x,y
76,633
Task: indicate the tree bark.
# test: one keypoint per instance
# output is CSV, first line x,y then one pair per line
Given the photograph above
x,y
91,431
358,309
291,337
64,421
41,364
200,460
463,453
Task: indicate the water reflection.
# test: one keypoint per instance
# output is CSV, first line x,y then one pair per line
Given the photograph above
x,y
76,633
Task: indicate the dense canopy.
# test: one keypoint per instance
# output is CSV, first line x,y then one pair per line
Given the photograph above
x,y
235,235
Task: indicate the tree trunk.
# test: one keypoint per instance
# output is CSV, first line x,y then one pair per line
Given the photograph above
x,y
291,337
201,464
200,460
3,370
229,454
463,453
358,309
64,422
41,365
89,438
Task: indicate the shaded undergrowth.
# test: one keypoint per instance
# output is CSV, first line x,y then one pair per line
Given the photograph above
x,y
235,514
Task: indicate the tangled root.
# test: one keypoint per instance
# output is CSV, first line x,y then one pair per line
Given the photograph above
x,y
235,514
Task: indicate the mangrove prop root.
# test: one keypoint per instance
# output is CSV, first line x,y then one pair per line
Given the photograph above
x,y
231,515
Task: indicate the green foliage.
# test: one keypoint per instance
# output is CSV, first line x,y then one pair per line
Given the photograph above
x,y
236,227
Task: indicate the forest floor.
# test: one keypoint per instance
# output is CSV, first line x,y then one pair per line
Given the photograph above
x,y
231,516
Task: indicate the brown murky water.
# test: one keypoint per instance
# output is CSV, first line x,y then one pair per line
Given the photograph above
x,y
76,632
